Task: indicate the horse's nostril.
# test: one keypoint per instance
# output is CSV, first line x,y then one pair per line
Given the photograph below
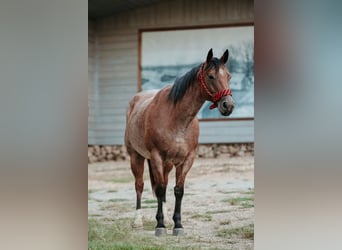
x,y
225,105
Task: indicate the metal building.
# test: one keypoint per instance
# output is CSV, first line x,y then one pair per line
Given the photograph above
x,y
114,55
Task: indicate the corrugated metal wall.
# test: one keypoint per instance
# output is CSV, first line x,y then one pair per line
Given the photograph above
x,y
113,64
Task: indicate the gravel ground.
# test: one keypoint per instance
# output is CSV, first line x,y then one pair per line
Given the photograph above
x,y
217,208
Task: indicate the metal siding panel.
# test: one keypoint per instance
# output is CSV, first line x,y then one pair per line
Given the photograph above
x,y
229,131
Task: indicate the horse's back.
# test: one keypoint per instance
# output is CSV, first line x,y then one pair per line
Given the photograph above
x,y
140,101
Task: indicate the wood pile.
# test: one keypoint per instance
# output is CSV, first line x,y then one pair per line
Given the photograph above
x,y
100,153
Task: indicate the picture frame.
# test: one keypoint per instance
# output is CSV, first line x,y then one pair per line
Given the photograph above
x,y
165,54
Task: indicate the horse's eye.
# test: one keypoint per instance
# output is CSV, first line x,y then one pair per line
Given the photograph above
x,y
211,77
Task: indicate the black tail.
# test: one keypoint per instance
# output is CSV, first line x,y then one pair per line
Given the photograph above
x,y
153,183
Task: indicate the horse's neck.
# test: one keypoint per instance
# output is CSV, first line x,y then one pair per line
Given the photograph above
x,y
186,109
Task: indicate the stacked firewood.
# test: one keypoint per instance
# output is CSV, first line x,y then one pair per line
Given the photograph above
x,y
100,153
231,150
97,153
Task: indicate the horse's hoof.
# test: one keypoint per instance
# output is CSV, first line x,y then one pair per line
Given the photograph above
x,y
178,231
160,231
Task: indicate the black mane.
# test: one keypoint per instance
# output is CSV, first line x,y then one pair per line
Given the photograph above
x,y
183,83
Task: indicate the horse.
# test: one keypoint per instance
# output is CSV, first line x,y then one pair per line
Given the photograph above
x,y
162,127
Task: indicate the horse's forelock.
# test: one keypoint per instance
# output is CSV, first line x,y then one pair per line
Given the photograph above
x,y
214,63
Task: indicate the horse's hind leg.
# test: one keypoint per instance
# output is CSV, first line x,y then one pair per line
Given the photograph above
x,y
137,167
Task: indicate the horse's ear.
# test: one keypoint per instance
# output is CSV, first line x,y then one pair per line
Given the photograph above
x,y
224,57
210,55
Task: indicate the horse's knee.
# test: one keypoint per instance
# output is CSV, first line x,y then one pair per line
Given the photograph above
x,y
161,191
179,191
139,186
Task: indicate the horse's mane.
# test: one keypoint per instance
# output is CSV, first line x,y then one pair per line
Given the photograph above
x,y
183,83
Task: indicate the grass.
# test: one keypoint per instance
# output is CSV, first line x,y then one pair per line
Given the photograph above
x,y
238,200
227,192
249,192
95,215
204,217
117,200
152,201
117,207
149,224
118,234
226,222
217,212
247,205
245,232
99,245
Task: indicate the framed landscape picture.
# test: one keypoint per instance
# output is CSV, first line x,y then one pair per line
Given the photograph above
x,y
168,54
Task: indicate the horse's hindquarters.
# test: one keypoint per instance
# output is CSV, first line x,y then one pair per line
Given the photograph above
x,y
135,126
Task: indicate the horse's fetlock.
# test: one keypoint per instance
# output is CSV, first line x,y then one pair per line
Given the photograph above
x,y
139,186
176,218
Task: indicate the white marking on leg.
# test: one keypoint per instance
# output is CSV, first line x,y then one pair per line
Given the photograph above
x,y
137,223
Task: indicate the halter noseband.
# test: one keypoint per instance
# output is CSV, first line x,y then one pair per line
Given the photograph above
x,y
215,97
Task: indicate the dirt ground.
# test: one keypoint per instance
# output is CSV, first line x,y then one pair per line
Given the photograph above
x,y
217,208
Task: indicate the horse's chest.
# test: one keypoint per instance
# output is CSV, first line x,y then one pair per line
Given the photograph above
x,y
178,148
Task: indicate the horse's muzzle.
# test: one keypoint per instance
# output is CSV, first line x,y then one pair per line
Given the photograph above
x,y
226,105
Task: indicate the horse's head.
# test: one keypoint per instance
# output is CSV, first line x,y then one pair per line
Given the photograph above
x,y
214,78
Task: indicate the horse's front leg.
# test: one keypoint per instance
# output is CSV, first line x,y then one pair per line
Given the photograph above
x,y
160,190
181,172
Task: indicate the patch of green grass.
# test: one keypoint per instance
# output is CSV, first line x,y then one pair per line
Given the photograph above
x,y
217,212
226,222
227,192
152,201
151,206
117,200
100,231
91,191
149,224
95,215
117,207
100,245
118,234
112,191
238,200
247,205
245,232
249,192
94,199
204,217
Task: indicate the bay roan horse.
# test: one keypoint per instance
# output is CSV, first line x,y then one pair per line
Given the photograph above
x,y
162,127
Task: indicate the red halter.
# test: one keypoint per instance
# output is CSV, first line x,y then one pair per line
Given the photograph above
x,y
215,97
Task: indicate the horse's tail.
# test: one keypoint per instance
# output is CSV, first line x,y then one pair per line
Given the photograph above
x,y
153,183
